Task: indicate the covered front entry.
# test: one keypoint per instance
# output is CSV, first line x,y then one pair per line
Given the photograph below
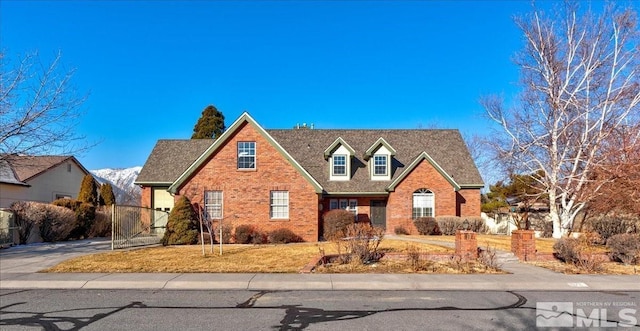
x,y
379,213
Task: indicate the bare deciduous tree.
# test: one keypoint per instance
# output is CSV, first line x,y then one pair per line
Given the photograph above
x,y
579,77
39,108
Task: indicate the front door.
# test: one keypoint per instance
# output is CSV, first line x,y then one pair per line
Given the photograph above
x,y
379,213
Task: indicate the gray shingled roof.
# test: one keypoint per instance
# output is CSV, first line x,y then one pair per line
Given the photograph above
x,y
170,158
446,147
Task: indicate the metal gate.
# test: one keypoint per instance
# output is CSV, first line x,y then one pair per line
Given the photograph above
x,y
136,226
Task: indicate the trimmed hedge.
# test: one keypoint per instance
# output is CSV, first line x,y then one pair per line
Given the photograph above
x,y
54,223
449,224
283,236
427,226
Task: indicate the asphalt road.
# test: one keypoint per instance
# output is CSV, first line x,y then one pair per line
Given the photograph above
x,y
132,310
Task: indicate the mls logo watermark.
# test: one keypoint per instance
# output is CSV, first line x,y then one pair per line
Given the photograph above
x,y
586,314
554,314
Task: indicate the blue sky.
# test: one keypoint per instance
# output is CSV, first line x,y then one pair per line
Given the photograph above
x,y
151,67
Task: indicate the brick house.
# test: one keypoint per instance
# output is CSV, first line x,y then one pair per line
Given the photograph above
x,y
289,178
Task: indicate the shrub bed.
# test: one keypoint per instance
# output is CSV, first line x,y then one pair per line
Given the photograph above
x,y
52,222
625,248
336,222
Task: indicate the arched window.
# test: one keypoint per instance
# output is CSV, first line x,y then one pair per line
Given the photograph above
x,y
423,203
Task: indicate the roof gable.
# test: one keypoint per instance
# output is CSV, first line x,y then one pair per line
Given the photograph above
x,y
414,164
369,152
337,143
27,167
244,118
444,147
169,159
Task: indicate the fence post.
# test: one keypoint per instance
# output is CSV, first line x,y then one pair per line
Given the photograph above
x,y
113,224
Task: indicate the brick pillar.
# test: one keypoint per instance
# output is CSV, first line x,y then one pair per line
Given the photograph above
x,y
523,244
466,244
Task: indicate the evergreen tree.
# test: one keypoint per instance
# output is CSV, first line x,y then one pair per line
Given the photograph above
x,y
107,198
88,190
182,226
210,125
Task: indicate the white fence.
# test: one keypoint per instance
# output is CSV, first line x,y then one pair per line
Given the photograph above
x,y
8,229
136,226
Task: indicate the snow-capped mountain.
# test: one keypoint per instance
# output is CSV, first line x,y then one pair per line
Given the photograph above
x,y
121,181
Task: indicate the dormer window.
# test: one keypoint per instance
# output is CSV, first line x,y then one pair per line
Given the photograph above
x,y
379,156
380,165
339,155
339,165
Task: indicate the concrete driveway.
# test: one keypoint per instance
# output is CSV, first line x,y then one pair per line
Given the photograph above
x,y
35,257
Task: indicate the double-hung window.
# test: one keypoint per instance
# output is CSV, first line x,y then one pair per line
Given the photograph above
x,y
247,155
423,203
339,165
379,165
350,205
279,204
213,204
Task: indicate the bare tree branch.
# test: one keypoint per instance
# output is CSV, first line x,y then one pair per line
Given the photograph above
x,y
580,82
39,108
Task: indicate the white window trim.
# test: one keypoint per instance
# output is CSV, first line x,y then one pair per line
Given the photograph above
x,y
350,205
255,152
423,192
272,204
386,165
221,204
333,165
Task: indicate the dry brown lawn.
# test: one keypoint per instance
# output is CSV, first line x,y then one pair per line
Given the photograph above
x,y
608,268
289,258
495,241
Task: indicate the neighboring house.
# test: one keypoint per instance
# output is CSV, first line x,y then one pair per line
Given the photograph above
x,y
290,178
39,178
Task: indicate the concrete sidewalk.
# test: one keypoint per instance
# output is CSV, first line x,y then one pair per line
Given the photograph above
x,y
19,266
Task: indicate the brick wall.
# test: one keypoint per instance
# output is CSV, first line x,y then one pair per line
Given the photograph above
x,y
469,202
523,244
145,198
246,193
400,203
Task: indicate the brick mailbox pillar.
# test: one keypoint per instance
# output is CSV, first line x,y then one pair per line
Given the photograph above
x,y
523,244
466,244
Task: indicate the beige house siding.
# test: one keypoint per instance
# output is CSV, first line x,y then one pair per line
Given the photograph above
x,y
11,193
61,180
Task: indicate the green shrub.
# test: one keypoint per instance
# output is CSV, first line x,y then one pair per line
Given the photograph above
x,y
101,226
88,190
608,227
85,216
283,236
427,226
244,234
625,248
336,222
182,225
400,230
107,198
